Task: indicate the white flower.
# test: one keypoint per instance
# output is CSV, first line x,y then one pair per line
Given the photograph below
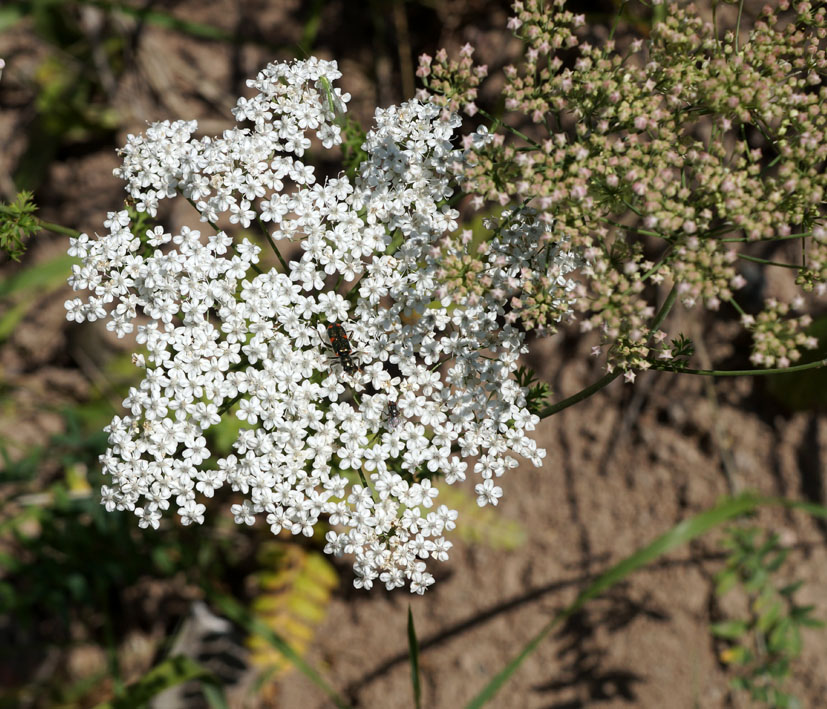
x,y
333,365
488,493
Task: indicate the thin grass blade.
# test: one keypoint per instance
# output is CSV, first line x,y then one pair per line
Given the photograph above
x,y
678,535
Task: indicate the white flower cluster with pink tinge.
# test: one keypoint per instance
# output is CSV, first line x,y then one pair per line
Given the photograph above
x,y
358,390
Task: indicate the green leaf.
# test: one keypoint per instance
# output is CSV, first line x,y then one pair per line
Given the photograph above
x,y
756,582
739,683
790,589
777,562
729,629
170,673
769,616
46,276
9,16
808,622
726,580
413,656
678,535
737,655
215,697
780,640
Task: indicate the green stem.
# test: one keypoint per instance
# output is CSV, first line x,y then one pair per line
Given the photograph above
x,y
43,225
626,227
715,25
498,122
744,239
634,209
272,243
657,265
229,404
766,262
660,316
56,228
738,25
616,19
607,379
742,372
735,305
396,242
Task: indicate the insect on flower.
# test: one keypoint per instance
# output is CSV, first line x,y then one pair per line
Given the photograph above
x,y
393,414
341,346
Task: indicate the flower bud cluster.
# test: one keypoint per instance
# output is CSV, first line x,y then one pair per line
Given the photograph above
x,y
520,267
813,276
778,339
704,269
454,82
358,388
690,145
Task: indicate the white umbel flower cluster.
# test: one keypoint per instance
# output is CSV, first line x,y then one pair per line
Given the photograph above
x,y
359,390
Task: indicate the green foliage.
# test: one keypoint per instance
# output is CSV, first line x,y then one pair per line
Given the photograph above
x,y
682,350
481,525
680,534
761,647
71,101
69,553
169,673
64,552
353,135
17,224
539,392
23,292
66,564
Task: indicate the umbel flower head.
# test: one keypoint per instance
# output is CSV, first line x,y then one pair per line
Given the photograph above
x,y
357,387
667,161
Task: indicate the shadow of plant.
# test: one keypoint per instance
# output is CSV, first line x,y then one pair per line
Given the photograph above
x,y
585,668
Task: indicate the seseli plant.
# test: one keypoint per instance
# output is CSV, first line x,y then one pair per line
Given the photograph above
x,y
375,350
671,162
